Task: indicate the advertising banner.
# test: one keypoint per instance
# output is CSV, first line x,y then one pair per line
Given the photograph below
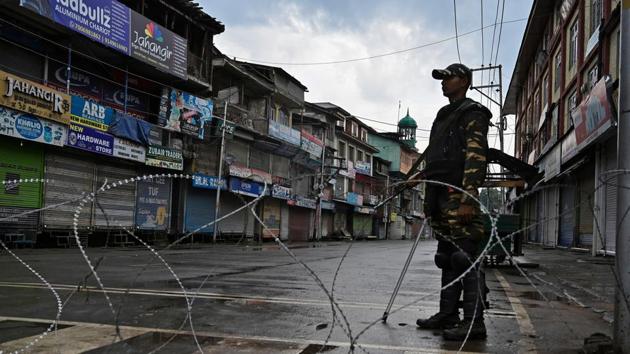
x,y
25,126
328,205
137,102
88,139
208,182
239,186
284,133
128,150
154,44
104,21
160,156
312,144
280,192
91,114
116,26
183,112
81,83
261,176
32,98
152,204
593,116
240,171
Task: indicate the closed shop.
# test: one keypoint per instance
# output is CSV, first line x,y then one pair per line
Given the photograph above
x,y
20,162
361,225
115,207
199,210
70,179
586,189
153,204
610,188
532,219
567,214
550,221
241,223
299,223
328,220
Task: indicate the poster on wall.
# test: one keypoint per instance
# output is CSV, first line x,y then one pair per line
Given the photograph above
x,y
28,127
183,112
593,116
271,218
152,204
32,98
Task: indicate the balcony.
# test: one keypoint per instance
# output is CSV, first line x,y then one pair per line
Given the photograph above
x,y
246,119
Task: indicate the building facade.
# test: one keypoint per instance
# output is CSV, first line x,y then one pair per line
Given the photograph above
x,y
564,93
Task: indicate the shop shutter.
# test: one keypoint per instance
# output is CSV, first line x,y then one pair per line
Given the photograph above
x,y
199,209
567,215
119,203
299,224
361,225
284,221
239,223
20,162
586,215
68,177
611,198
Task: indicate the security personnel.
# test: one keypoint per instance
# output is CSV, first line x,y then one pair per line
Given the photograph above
x,y
457,155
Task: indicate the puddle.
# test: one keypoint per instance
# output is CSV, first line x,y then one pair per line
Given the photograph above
x,y
534,295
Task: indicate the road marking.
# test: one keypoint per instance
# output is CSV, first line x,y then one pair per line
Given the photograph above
x,y
525,325
244,298
367,346
75,339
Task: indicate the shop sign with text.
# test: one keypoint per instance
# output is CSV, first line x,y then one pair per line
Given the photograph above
x,y
280,192
208,182
593,116
284,133
312,144
91,114
249,188
129,150
160,156
152,204
89,139
33,98
28,127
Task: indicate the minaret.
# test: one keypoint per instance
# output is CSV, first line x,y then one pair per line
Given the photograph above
x,y
407,129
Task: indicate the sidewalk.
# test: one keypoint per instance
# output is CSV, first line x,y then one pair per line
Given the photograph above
x,y
576,277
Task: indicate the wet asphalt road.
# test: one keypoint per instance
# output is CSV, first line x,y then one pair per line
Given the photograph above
x,y
252,299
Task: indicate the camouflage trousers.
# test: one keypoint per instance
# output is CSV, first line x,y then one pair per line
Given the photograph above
x,y
448,226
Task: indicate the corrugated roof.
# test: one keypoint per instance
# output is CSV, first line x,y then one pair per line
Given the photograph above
x,y
196,13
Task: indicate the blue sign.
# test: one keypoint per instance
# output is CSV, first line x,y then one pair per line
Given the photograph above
x,y
328,205
354,199
249,188
284,133
363,167
280,192
89,139
25,126
208,182
183,112
104,21
153,203
91,114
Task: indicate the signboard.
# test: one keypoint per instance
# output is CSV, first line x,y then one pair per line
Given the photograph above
x,y
160,156
305,202
80,82
593,116
91,114
88,139
350,172
183,112
128,150
326,205
103,21
25,126
249,188
312,144
30,97
116,26
240,171
114,95
261,176
154,44
208,182
152,204
284,133
354,199
364,168
364,210
280,192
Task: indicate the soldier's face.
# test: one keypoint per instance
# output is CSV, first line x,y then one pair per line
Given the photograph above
x,y
453,86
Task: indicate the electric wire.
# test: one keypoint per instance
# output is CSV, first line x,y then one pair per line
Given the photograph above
x,y
456,34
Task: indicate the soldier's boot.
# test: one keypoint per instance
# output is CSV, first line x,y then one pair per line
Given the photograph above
x,y
476,327
448,316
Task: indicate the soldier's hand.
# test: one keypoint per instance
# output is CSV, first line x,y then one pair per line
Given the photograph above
x,y
465,213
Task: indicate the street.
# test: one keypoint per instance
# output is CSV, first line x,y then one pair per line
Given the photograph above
x,y
256,299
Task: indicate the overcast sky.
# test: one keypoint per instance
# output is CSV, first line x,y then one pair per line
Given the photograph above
x,y
308,31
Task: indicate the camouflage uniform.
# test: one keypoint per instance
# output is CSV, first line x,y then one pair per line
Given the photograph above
x,y
458,158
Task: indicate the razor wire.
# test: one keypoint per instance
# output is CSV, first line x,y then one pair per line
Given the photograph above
x,y
336,309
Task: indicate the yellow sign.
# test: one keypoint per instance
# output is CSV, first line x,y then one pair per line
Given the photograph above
x,y
392,217
33,98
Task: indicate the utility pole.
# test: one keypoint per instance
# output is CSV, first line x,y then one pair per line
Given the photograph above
x,y
320,188
220,184
622,254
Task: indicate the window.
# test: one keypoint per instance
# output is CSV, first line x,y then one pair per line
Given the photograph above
x,y
359,155
596,15
342,150
557,71
354,129
350,153
592,77
571,104
545,90
573,45
364,134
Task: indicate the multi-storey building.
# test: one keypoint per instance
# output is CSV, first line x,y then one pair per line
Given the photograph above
x,y
564,93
